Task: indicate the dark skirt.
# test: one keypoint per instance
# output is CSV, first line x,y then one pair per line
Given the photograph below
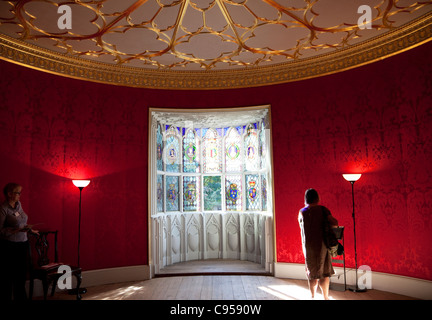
x,y
13,270
318,263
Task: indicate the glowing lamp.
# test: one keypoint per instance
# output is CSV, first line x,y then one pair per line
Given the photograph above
x,y
81,183
351,177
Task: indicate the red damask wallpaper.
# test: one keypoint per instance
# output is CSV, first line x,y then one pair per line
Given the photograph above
x,y
375,120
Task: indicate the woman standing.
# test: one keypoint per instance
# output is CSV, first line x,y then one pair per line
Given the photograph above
x,y
13,245
317,258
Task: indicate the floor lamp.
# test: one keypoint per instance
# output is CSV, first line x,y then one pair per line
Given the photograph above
x,y
353,178
80,184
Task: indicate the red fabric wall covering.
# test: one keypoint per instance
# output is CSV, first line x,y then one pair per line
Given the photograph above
x,y
376,120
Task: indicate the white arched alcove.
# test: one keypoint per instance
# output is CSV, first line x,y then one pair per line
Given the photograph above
x,y
210,186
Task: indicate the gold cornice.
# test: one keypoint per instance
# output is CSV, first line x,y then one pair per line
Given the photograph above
x,y
392,42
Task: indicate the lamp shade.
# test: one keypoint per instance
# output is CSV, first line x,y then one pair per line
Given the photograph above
x,y
351,177
81,183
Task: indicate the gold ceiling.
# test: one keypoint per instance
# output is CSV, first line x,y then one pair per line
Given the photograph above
x,y
207,44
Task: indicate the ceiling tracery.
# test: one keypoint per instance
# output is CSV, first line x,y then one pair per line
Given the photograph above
x,y
196,43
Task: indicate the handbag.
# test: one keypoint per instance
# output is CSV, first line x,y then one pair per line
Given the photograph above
x,y
334,247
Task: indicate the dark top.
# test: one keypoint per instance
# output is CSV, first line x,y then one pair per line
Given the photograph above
x,y
317,257
12,218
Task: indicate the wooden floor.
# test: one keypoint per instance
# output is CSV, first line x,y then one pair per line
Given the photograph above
x,y
218,281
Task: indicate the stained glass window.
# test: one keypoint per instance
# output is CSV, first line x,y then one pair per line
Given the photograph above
x,y
233,151
159,192
212,152
264,191
191,193
172,150
172,193
159,148
262,146
233,192
191,151
253,192
252,159
211,169
212,193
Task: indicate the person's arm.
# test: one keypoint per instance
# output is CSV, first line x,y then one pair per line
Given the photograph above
x,y
5,231
300,221
8,231
2,221
29,228
332,220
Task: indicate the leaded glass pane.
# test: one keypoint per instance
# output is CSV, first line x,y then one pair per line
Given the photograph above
x,y
191,152
212,152
172,193
252,159
159,192
191,193
253,192
264,191
159,148
212,193
262,146
233,154
233,192
172,150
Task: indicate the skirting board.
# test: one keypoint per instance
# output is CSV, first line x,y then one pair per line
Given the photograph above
x,y
412,287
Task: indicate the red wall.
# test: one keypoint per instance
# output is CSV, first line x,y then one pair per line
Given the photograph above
x,y
375,119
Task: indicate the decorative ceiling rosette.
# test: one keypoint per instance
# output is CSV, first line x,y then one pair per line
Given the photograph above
x,y
207,44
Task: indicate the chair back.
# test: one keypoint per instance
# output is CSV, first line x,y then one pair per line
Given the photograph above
x,y
42,251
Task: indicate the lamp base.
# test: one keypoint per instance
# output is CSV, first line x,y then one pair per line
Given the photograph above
x,y
356,289
75,291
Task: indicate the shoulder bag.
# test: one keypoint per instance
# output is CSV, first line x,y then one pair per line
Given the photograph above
x,y
330,240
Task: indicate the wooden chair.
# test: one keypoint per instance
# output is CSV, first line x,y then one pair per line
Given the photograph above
x,y
43,269
340,259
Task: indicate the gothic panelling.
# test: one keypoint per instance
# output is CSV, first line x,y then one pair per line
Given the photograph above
x,y
232,236
213,235
194,236
163,240
186,237
177,228
249,237
253,237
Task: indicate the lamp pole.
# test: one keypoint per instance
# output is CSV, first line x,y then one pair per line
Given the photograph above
x,y
80,184
352,178
356,289
79,226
